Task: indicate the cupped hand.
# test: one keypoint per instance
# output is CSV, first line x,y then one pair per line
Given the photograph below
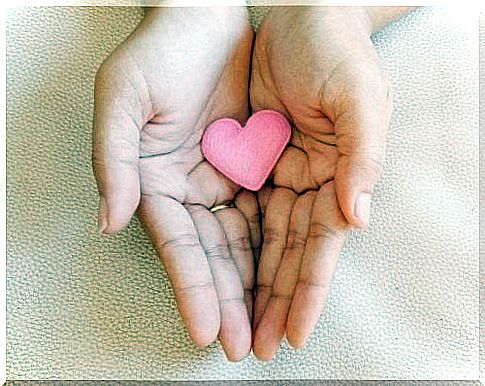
x,y
180,70
316,65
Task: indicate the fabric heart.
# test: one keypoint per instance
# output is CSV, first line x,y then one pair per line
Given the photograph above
x,y
247,154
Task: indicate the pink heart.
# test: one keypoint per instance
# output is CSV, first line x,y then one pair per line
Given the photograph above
x,y
247,154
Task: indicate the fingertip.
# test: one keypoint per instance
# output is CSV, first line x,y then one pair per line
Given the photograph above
x,y
355,179
262,355
238,358
362,210
302,318
241,351
263,350
296,342
270,332
115,213
204,340
354,206
295,335
358,211
237,355
111,230
235,335
203,323
202,337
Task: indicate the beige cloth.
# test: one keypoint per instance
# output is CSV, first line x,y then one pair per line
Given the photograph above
x,y
404,303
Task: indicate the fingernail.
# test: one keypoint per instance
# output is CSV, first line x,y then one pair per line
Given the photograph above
x,y
102,215
362,209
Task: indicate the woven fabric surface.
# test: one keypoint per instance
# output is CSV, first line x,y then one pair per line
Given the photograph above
x,y
404,302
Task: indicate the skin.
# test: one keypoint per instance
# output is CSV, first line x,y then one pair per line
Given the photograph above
x,y
180,70
318,67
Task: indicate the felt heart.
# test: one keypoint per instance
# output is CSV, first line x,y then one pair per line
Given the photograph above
x,y
247,154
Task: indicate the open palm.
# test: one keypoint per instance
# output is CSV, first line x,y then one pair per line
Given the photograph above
x,y
180,70
319,68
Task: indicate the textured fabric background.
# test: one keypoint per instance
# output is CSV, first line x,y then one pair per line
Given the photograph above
x,y
404,302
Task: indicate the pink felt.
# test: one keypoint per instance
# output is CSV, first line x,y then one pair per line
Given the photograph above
x,y
248,154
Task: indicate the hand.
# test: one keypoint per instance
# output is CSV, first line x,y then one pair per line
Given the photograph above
x,y
319,68
180,70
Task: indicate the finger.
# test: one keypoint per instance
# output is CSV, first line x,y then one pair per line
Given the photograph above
x,y
235,332
236,230
173,233
272,325
247,204
326,237
118,116
277,220
361,122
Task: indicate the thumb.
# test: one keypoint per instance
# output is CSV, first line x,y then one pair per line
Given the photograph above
x,y
116,147
361,130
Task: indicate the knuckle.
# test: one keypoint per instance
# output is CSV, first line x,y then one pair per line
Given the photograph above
x,y
295,240
263,287
370,165
309,284
281,295
233,300
182,241
320,230
241,244
318,291
272,236
188,287
363,153
217,251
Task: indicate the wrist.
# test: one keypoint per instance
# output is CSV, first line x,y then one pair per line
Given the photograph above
x,y
381,16
366,18
221,23
352,18
222,15
323,20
